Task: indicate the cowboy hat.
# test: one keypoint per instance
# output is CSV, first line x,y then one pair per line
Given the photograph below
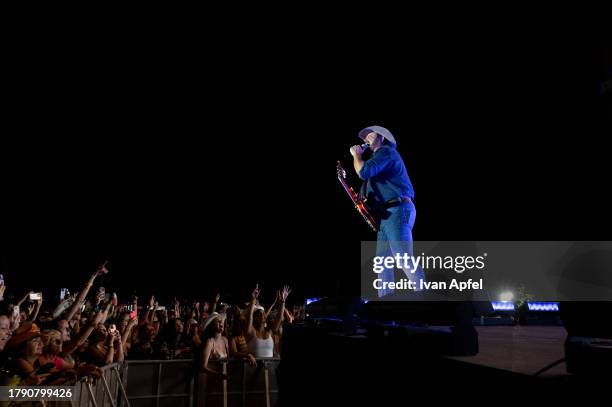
x,y
24,333
378,130
211,318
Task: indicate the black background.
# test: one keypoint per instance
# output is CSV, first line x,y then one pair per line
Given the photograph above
x,y
197,169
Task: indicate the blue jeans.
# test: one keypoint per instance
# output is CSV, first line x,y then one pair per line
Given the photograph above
x,y
395,237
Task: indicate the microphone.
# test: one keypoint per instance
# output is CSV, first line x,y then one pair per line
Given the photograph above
x,y
364,147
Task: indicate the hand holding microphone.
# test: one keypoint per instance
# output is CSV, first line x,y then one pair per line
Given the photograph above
x,y
358,150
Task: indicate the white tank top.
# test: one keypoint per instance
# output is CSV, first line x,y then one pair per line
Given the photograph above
x,y
261,348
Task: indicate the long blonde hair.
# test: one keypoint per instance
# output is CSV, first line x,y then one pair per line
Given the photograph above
x,y
47,335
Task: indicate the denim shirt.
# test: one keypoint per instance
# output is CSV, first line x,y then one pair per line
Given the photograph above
x,y
386,176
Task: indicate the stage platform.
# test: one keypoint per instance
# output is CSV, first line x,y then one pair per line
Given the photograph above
x,y
398,360
520,349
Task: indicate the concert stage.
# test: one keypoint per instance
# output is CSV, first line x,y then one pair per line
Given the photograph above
x,y
329,368
520,349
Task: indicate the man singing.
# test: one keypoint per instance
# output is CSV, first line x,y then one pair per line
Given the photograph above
x,y
389,191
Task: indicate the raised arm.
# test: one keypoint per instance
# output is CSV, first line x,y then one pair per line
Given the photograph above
x,y
290,317
272,306
83,334
177,308
110,354
250,331
25,297
62,306
119,355
127,333
217,298
81,298
148,316
356,152
37,310
283,297
105,312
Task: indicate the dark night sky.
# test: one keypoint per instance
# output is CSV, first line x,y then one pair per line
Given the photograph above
x,y
187,181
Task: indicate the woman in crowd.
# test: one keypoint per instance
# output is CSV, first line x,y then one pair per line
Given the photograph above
x,y
27,347
237,342
260,337
214,345
105,346
52,348
83,335
143,347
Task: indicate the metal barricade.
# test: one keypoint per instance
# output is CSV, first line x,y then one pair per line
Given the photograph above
x,y
158,383
102,392
247,385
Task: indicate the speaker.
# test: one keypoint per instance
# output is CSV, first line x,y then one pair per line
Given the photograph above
x,y
588,347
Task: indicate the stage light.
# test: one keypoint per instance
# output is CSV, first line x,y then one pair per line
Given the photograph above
x,y
502,305
311,300
506,296
543,306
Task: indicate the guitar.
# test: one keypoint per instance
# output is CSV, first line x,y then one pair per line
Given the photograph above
x,y
360,204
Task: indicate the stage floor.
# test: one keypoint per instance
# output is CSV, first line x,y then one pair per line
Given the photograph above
x,y
520,349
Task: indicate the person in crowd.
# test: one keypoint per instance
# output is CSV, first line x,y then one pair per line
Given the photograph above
x,y
27,346
237,342
260,336
45,344
144,348
105,346
52,348
5,331
214,345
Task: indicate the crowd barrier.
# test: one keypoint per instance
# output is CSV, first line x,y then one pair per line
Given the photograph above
x,y
161,383
100,392
158,383
247,385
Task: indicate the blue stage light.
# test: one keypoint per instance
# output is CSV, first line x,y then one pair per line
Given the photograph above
x,y
543,306
502,305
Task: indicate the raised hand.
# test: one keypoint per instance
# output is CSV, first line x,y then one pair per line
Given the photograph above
x,y
133,322
102,269
285,293
117,339
97,318
256,292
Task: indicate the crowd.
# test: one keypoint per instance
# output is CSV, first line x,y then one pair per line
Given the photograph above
x,y
50,343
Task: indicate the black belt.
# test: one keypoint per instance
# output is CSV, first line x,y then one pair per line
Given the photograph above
x,y
397,201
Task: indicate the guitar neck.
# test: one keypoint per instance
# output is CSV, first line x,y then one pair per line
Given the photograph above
x,y
359,204
349,190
